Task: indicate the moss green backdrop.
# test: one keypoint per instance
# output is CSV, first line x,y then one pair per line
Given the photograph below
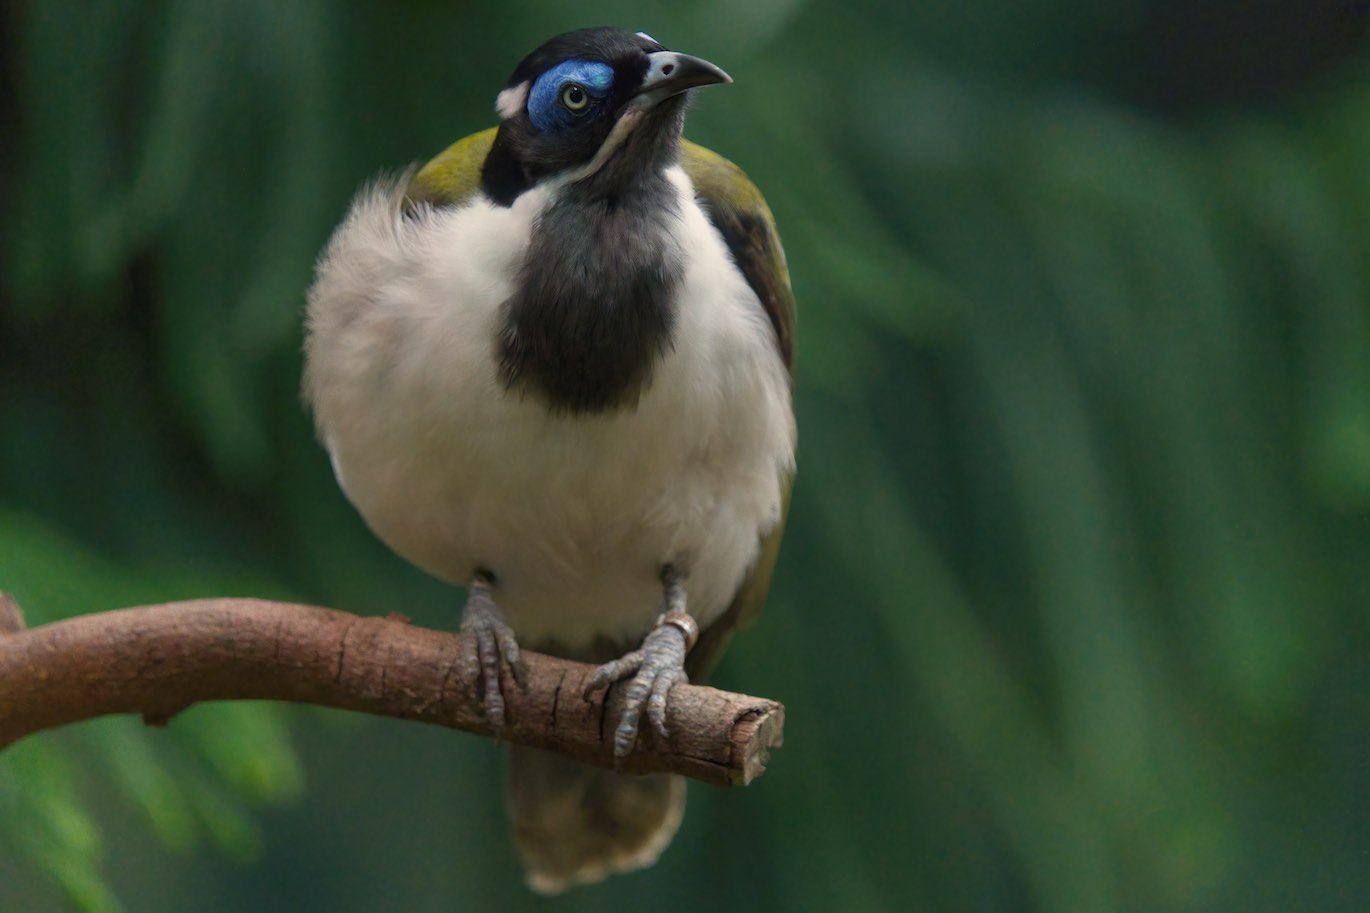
x,y
1072,613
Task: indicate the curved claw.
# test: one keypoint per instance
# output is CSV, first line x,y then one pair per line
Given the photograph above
x,y
656,668
487,642
615,671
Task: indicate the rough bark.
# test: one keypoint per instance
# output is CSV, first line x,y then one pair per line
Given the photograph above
x,y
157,660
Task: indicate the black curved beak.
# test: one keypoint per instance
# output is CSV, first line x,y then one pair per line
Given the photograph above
x,y
669,73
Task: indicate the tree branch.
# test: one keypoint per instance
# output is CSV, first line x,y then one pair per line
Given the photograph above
x,y
158,660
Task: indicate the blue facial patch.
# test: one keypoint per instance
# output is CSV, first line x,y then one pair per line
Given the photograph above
x,y
545,107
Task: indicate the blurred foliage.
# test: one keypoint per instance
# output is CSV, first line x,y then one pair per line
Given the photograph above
x,y
192,784
1072,613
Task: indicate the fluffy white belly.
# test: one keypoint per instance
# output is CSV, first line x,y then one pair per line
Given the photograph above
x,y
575,515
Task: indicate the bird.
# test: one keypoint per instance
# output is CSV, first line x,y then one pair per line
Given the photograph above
x,y
554,366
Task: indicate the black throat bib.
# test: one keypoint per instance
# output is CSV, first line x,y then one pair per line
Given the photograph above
x,y
595,304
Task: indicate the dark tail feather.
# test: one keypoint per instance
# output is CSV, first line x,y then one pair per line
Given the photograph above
x,y
575,824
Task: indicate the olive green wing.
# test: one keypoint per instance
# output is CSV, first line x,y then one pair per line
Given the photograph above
x,y
453,176
737,209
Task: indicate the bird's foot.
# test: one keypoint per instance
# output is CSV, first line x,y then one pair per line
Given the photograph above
x,y
488,642
656,667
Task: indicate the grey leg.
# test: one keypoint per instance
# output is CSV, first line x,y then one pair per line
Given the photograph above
x,y
488,641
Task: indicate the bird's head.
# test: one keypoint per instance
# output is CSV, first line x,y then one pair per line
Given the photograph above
x,y
595,106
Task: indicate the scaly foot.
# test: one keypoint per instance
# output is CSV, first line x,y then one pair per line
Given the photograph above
x,y
486,642
655,668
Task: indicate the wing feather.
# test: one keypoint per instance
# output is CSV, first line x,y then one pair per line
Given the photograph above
x,y
736,208
453,176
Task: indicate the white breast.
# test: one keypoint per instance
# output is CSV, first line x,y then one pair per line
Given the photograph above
x,y
576,515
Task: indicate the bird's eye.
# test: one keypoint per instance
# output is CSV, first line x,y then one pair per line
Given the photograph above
x,y
575,98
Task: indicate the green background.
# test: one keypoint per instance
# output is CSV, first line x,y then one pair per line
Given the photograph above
x,y
1072,610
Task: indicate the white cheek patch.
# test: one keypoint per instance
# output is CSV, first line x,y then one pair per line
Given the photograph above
x,y
511,101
